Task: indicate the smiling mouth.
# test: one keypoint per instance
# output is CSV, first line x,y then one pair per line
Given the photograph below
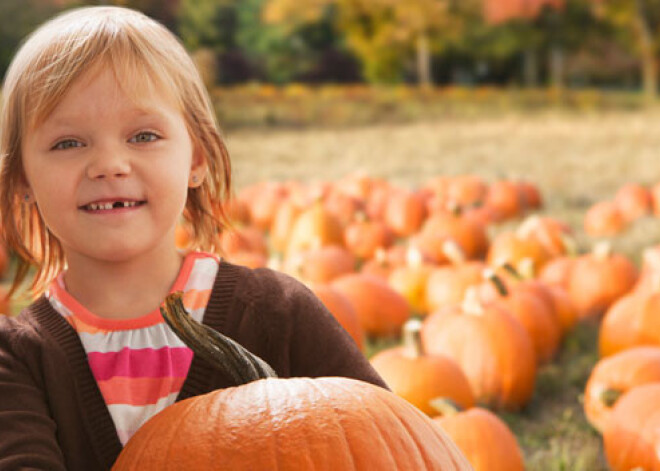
x,y
109,205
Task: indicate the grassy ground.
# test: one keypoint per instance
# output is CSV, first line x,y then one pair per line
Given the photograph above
x,y
574,158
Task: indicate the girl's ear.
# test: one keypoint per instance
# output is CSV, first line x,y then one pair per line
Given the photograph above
x,y
25,193
198,168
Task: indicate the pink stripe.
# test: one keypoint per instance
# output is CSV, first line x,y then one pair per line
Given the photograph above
x,y
141,363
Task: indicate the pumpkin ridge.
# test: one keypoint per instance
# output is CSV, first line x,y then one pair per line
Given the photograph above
x,y
337,420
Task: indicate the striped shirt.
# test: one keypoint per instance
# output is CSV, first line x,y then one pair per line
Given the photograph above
x,y
139,364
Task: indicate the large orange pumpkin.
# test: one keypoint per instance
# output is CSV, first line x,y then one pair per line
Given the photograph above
x,y
631,435
292,424
418,377
614,376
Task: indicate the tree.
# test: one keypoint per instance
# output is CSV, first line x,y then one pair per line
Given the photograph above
x,y
640,20
380,32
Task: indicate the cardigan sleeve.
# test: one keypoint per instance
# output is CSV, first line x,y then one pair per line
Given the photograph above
x,y
27,431
311,340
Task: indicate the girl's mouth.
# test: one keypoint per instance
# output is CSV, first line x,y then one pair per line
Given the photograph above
x,y
110,205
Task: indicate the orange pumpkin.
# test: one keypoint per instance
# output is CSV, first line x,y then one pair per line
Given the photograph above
x,y
604,219
470,235
485,440
634,201
321,264
491,347
504,199
514,247
313,228
631,321
631,437
557,271
410,281
295,423
363,237
263,200
242,239
342,309
405,212
381,310
614,376
447,284
418,377
283,220
534,313
553,235
598,279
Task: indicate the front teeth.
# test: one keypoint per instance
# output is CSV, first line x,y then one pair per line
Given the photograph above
x,y
106,206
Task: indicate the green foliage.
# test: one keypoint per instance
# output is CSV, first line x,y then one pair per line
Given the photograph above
x,y
17,19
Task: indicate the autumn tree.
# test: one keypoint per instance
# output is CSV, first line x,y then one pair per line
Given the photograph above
x,y
640,22
381,32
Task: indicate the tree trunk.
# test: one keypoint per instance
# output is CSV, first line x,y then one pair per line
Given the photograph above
x,y
423,61
556,67
647,55
530,68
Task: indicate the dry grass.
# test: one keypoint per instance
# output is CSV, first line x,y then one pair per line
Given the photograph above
x,y
575,159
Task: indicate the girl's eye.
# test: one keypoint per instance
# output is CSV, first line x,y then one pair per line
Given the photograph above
x,y
144,137
67,144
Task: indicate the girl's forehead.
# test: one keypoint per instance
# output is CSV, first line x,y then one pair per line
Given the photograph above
x,y
143,89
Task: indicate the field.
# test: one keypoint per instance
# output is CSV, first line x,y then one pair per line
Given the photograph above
x,y
575,158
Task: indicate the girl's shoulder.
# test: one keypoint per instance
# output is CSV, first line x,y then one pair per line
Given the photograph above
x,y
269,287
20,332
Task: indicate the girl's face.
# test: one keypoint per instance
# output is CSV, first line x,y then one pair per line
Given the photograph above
x,y
109,176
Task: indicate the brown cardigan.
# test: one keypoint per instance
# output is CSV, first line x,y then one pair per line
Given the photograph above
x,y
53,416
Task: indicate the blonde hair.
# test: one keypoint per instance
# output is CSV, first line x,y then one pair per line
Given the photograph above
x,y
139,51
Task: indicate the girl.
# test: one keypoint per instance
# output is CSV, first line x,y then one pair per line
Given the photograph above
x,y
107,137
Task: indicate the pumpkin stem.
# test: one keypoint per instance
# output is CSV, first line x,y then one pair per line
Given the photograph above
x,y
414,257
445,406
497,281
453,251
602,250
513,271
471,303
412,339
528,226
526,268
610,396
570,244
218,350
454,208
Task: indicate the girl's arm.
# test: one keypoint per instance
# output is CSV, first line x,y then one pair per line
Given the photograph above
x,y
27,431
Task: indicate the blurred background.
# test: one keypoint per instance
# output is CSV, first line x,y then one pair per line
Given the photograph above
x,y
607,45
402,108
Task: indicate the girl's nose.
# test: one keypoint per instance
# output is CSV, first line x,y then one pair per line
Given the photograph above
x,y
108,163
